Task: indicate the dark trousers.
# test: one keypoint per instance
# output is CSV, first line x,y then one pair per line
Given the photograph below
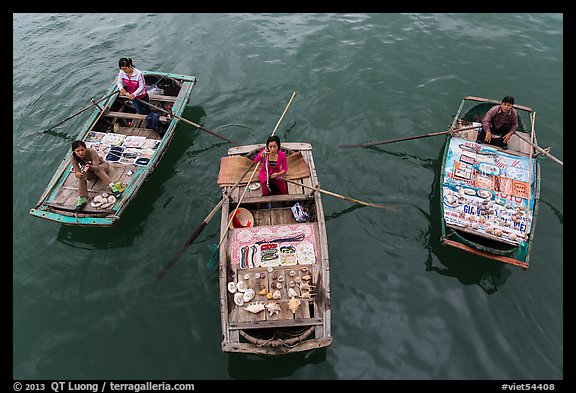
x,y
505,129
141,108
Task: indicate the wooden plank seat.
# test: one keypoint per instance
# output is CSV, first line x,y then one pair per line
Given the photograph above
x,y
133,116
158,97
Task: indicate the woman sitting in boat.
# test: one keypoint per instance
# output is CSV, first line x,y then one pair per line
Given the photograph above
x,y
88,165
275,164
499,123
131,83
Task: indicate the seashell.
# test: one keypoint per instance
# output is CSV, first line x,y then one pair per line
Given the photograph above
x,y
247,276
304,269
297,279
280,278
269,295
475,225
466,223
306,295
276,295
273,308
293,304
105,205
292,292
111,199
263,291
512,236
239,298
104,195
522,207
249,295
461,192
279,285
270,270
498,232
305,287
256,275
95,204
306,277
292,273
291,284
232,287
241,286
255,308
98,199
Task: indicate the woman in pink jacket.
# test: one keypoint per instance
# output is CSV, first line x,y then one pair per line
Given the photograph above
x,y
131,83
274,165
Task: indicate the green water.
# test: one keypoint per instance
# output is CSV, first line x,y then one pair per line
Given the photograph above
x,y
403,307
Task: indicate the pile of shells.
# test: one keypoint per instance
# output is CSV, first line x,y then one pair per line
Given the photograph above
x,y
103,201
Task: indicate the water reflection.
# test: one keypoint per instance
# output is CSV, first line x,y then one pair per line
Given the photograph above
x,y
248,366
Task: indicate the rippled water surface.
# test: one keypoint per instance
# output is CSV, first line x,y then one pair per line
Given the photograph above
x,y
403,307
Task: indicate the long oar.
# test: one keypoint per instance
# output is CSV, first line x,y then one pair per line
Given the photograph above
x,y
200,228
188,121
77,113
341,196
543,151
368,144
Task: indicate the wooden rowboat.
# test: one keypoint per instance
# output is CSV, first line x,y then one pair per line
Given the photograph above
x,y
274,249
489,196
136,151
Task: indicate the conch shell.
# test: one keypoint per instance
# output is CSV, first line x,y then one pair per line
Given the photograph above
x,y
273,308
293,304
254,308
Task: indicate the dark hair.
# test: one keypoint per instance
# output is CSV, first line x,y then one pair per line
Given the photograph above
x,y
508,100
273,138
125,62
75,145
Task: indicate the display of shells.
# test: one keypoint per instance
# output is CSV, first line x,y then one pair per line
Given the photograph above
x,y
249,295
241,286
239,298
232,287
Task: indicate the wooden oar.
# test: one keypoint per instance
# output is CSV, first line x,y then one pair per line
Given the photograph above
x,y
368,144
77,113
187,121
200,228
341,196
543,151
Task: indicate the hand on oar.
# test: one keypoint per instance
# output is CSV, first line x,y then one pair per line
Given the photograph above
x,y
342,196
76,114
188,121
368,144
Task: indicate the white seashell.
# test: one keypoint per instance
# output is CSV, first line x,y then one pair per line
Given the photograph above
x,y
475,225
273,308
512,236
98,199
246,276
297,279
270,270
276,295
105,205
104,195
241,286
255,308
281,278
291,284
95,204
249,295
292,292
256,275
232,287
279,285
293,273
239,298
111,199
